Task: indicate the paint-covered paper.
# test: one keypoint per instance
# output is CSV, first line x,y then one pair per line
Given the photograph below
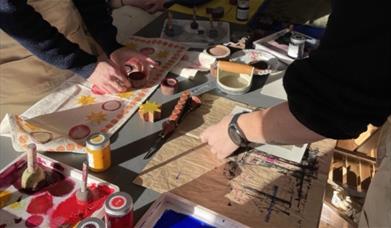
x,y
254,188
183,157
64,119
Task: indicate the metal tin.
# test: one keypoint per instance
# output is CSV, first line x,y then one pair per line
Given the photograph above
x,y
296,46
98,152
91,222
119,210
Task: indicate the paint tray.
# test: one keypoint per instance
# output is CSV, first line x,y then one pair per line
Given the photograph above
x,y
54,204
174,210
277,44
197,38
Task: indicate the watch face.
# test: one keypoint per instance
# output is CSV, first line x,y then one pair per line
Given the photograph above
x,y
235,137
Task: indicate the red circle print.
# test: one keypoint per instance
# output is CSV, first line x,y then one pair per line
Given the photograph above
x,y
79,131
112,105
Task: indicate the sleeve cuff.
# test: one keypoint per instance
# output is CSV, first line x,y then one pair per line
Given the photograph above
x,y
109,48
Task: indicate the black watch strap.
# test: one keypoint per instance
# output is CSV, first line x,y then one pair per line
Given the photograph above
x,y
234,124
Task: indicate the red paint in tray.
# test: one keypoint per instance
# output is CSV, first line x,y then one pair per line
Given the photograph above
x,y
42,207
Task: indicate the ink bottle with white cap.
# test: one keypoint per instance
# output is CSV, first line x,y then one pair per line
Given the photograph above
x,y
296,46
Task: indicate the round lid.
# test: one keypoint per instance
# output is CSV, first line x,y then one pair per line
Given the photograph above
x,y
297,38
118,204
97,140
91,223
218,51
243,3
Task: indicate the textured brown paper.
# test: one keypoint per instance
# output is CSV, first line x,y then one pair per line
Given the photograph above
x,y
257,195
184,158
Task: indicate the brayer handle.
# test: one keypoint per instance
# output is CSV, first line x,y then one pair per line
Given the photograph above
x,y
238,68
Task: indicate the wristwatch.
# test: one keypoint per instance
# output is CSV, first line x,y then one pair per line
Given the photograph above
x,y
235,133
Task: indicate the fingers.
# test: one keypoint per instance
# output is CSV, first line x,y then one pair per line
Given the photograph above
x,y
144,62
127,56
106,89
98,90
205,139
218,139
118,80
151,61
136,64
117,85
115,81
109,78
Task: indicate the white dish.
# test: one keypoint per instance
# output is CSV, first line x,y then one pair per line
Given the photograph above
x,y
234,84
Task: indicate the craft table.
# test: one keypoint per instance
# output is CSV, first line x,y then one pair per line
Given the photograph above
x,y
131,142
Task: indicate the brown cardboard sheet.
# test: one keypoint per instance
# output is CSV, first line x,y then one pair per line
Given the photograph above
x,y
253,188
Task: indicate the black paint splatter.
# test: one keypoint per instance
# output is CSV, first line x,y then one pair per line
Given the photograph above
x,y
17,220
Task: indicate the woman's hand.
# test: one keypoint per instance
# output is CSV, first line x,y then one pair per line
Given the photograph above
x,y
126,55
108,77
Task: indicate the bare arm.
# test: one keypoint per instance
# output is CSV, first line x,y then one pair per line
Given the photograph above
x,y
276,125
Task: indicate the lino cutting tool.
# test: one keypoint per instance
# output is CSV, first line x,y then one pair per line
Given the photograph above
x,y
185,104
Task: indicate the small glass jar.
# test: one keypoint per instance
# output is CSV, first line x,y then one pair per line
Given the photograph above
x,y
98,152
242,10
119,210
296,46
91,222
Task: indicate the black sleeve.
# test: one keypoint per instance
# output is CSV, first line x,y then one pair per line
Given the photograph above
x,y
96,16
345,84
24,24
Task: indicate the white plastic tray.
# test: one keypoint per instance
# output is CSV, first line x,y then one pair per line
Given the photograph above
x,y
14,203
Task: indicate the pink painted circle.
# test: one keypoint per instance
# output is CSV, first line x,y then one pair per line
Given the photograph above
x,y
147,51
79,131
111,105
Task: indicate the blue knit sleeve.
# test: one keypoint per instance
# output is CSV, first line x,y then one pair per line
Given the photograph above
x,y
96,16
26,26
